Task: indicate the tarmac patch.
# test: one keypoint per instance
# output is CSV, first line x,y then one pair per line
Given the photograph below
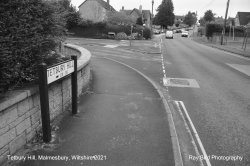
x,y
180,82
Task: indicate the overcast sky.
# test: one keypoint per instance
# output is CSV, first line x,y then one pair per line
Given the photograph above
x,y
181,7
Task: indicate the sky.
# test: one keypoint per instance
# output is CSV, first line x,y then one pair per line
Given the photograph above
x,y
181,7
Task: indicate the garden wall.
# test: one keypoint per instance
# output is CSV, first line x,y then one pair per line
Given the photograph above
x,y
20,114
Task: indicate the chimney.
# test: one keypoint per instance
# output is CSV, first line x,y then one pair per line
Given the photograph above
x,y
122,8
108,1
140,9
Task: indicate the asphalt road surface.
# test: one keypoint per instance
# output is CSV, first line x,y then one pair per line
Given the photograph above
x,y
215,90
213,86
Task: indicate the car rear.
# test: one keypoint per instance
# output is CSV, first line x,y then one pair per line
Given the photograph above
x,y
169,34
184,34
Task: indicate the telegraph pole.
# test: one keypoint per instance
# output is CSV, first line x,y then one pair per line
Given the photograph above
x,y
225,21
152,8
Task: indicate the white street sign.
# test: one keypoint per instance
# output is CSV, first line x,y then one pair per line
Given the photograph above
x,y
56,72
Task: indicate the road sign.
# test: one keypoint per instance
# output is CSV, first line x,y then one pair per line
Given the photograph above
x,y
60,70
49,75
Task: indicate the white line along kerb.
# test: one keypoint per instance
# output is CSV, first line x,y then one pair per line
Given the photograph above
x,y
195,134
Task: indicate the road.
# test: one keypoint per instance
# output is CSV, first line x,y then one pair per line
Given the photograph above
x,y
213,87
219,106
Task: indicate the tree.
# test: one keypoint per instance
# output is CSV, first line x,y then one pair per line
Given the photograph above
x,y
165,16
190,19
208,16
66,11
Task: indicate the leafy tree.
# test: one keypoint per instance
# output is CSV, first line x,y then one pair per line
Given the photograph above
x,y
165,16
139,21
29,31
208,16
190,19
66,11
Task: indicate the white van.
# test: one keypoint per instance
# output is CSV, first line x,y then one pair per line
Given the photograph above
x,y
169,34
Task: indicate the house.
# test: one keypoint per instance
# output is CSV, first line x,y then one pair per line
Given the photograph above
x,y
145,15
95,10
242,18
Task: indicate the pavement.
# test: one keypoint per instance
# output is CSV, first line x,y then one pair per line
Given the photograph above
x,y
121,121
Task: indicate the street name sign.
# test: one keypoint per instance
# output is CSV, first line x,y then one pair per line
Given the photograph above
x,y
51,74
59,71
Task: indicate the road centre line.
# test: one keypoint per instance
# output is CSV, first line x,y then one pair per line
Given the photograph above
x,y
195,133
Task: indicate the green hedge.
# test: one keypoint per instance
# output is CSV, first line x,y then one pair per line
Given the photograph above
x,y
29,31
87,28
217,28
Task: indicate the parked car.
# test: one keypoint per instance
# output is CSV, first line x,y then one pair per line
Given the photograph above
x,y
178,31
169,34
156,31
184,34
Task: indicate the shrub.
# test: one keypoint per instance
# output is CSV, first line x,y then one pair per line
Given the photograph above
x,y
147,33
121,36
29,30
213,28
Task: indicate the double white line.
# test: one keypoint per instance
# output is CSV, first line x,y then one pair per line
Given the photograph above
x,y
182,108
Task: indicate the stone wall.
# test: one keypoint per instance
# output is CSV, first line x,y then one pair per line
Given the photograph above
x,y
20,114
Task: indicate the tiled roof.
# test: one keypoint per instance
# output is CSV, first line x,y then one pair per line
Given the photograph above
x,y
127,12
146,13
244,17
102,3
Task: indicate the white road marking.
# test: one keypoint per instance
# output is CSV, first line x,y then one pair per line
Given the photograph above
x,y
189,132
111,46
195,133
245,69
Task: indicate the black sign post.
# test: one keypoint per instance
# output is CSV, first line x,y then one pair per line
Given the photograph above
x,y
74,85
49,75
44,101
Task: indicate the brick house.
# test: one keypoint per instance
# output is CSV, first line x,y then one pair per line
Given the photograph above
x,y
242,18
137,13
95,10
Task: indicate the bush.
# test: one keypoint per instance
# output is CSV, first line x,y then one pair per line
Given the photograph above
x,y
29,31
213,28
147,33
121,36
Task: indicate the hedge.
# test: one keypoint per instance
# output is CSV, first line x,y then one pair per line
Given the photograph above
x,y
217,28
29,31
87,28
